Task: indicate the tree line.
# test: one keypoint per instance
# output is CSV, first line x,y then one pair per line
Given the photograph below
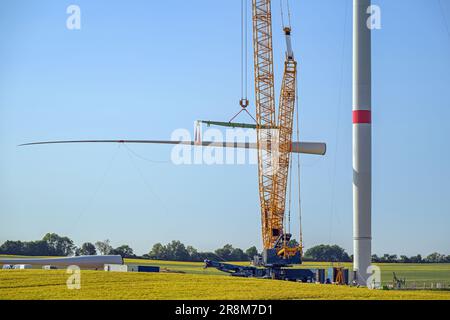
x,y
393,258
334,253
177,251
53,244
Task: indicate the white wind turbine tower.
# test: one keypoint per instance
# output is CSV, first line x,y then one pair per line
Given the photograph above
x,y
362,140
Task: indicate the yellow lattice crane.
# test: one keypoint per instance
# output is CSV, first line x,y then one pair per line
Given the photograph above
x,y
274,137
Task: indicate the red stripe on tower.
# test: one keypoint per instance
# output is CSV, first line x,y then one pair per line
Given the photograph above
x,y
362,116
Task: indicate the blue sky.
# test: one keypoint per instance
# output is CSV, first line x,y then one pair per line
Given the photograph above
x,y
141,69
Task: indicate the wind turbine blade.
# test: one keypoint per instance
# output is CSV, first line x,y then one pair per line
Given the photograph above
x,y
297,147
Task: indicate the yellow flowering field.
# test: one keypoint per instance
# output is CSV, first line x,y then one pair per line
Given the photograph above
x,y
51,284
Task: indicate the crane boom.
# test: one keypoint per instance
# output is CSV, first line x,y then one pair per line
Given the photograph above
x,y
285,124
274,146
265,109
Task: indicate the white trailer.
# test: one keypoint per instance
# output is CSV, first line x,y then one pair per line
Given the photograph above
x,y
49,267
23,266
116,267
83,262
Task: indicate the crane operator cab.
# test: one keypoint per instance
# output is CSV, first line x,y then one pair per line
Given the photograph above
x,y
283,253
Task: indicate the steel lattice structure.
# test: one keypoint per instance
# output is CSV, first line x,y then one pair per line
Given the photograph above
x,y
274,138
265,108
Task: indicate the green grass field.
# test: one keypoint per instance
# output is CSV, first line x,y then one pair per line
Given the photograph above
x,y
418,273
51,284
188,280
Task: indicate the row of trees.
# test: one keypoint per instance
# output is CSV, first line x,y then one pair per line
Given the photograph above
x,y
104,248
54,245
50,245
177,251
327,253
336,253
393,258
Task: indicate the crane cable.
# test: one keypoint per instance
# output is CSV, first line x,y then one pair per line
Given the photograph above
x,y
145,181
333,211
92,197
243,50
244,102
441,6
282,14
298,154
137,155
245,46
298,171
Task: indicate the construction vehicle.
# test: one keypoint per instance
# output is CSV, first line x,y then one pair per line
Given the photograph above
x,y
276,272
